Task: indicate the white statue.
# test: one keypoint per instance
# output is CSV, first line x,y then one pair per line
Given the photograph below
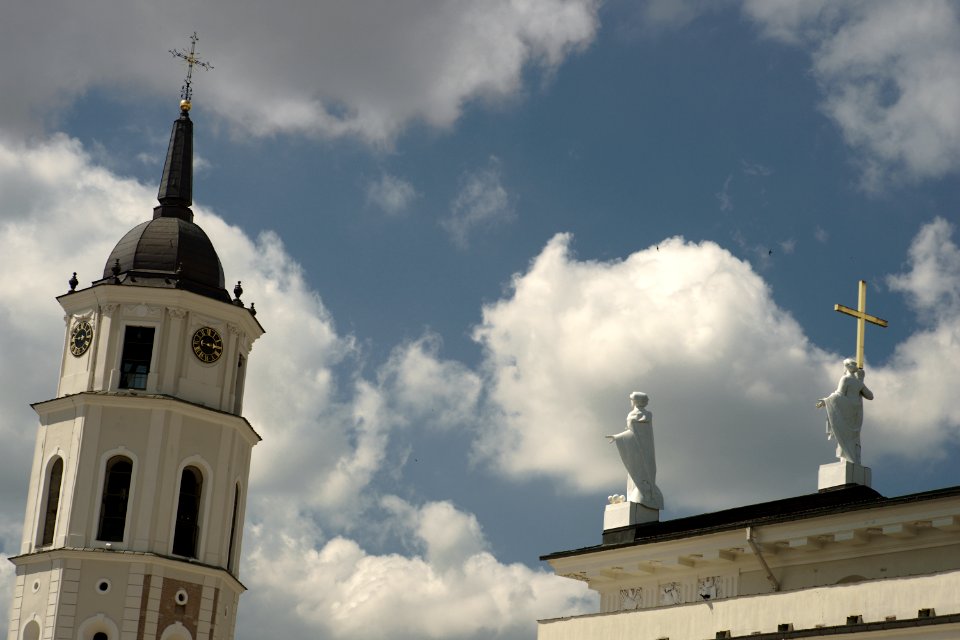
x,y
635,445
845,411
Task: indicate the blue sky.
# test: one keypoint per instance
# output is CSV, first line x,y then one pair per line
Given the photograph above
x,y
483,225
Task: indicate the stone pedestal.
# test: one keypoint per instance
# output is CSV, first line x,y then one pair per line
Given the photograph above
x,y
840,473
624,514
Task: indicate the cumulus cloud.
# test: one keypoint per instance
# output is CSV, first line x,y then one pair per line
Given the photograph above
x,y
732,378
887,72
690,325
932,284
454,588
413,388
391,194
364,69
919,379
481,203
7,578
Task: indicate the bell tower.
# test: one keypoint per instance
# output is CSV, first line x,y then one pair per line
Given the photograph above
x,y
134,516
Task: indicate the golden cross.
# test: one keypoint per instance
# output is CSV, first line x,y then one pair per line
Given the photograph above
x,y
860,313
186,93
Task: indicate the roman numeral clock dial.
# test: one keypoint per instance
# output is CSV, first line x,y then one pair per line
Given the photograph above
x,y
80,338
207,344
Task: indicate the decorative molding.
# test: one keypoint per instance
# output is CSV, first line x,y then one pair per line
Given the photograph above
x,y
671,593
87,315
582,577
631,598
711,588
142,310
177,312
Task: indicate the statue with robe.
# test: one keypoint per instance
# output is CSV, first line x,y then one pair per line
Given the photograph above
x,y
635,445
845,411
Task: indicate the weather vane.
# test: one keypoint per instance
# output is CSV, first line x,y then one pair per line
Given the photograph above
x,y
186,93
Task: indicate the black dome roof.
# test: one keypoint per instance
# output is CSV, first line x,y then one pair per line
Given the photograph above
x,y
172,250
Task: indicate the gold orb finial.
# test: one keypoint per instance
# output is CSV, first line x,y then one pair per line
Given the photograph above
x,y
185,105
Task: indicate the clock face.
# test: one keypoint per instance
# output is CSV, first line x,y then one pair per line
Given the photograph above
x,y
207,344
80,338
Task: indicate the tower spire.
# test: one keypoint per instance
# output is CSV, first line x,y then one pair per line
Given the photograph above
x,y
176,183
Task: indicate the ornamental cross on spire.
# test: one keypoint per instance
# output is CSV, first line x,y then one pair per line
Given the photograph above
x,y
860,313
186,93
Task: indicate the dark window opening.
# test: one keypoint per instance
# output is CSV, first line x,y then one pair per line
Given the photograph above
x,y
233,527
135,363
53,502
238,389
100,635
116,491
187,531
31,631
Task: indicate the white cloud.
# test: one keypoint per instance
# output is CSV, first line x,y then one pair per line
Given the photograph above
x,y
887,72
821,235
455,589
689,324
414,388
364,68
481,203
7,578
732,378
391,194
444,535
919,408
932,284
419,386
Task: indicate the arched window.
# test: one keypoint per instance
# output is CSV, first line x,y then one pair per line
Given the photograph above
x,y
186,534
116,492
233,529
100,635
54,480
31,631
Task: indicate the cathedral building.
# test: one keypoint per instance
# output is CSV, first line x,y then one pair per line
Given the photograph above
x,y
134,517
844,562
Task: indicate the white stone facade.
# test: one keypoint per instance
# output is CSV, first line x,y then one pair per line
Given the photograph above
x,y
819,564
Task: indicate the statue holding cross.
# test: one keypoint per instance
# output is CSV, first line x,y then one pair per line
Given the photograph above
x,y
845,405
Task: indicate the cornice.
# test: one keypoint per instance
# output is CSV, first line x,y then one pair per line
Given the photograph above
x,y
119,555
134,400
